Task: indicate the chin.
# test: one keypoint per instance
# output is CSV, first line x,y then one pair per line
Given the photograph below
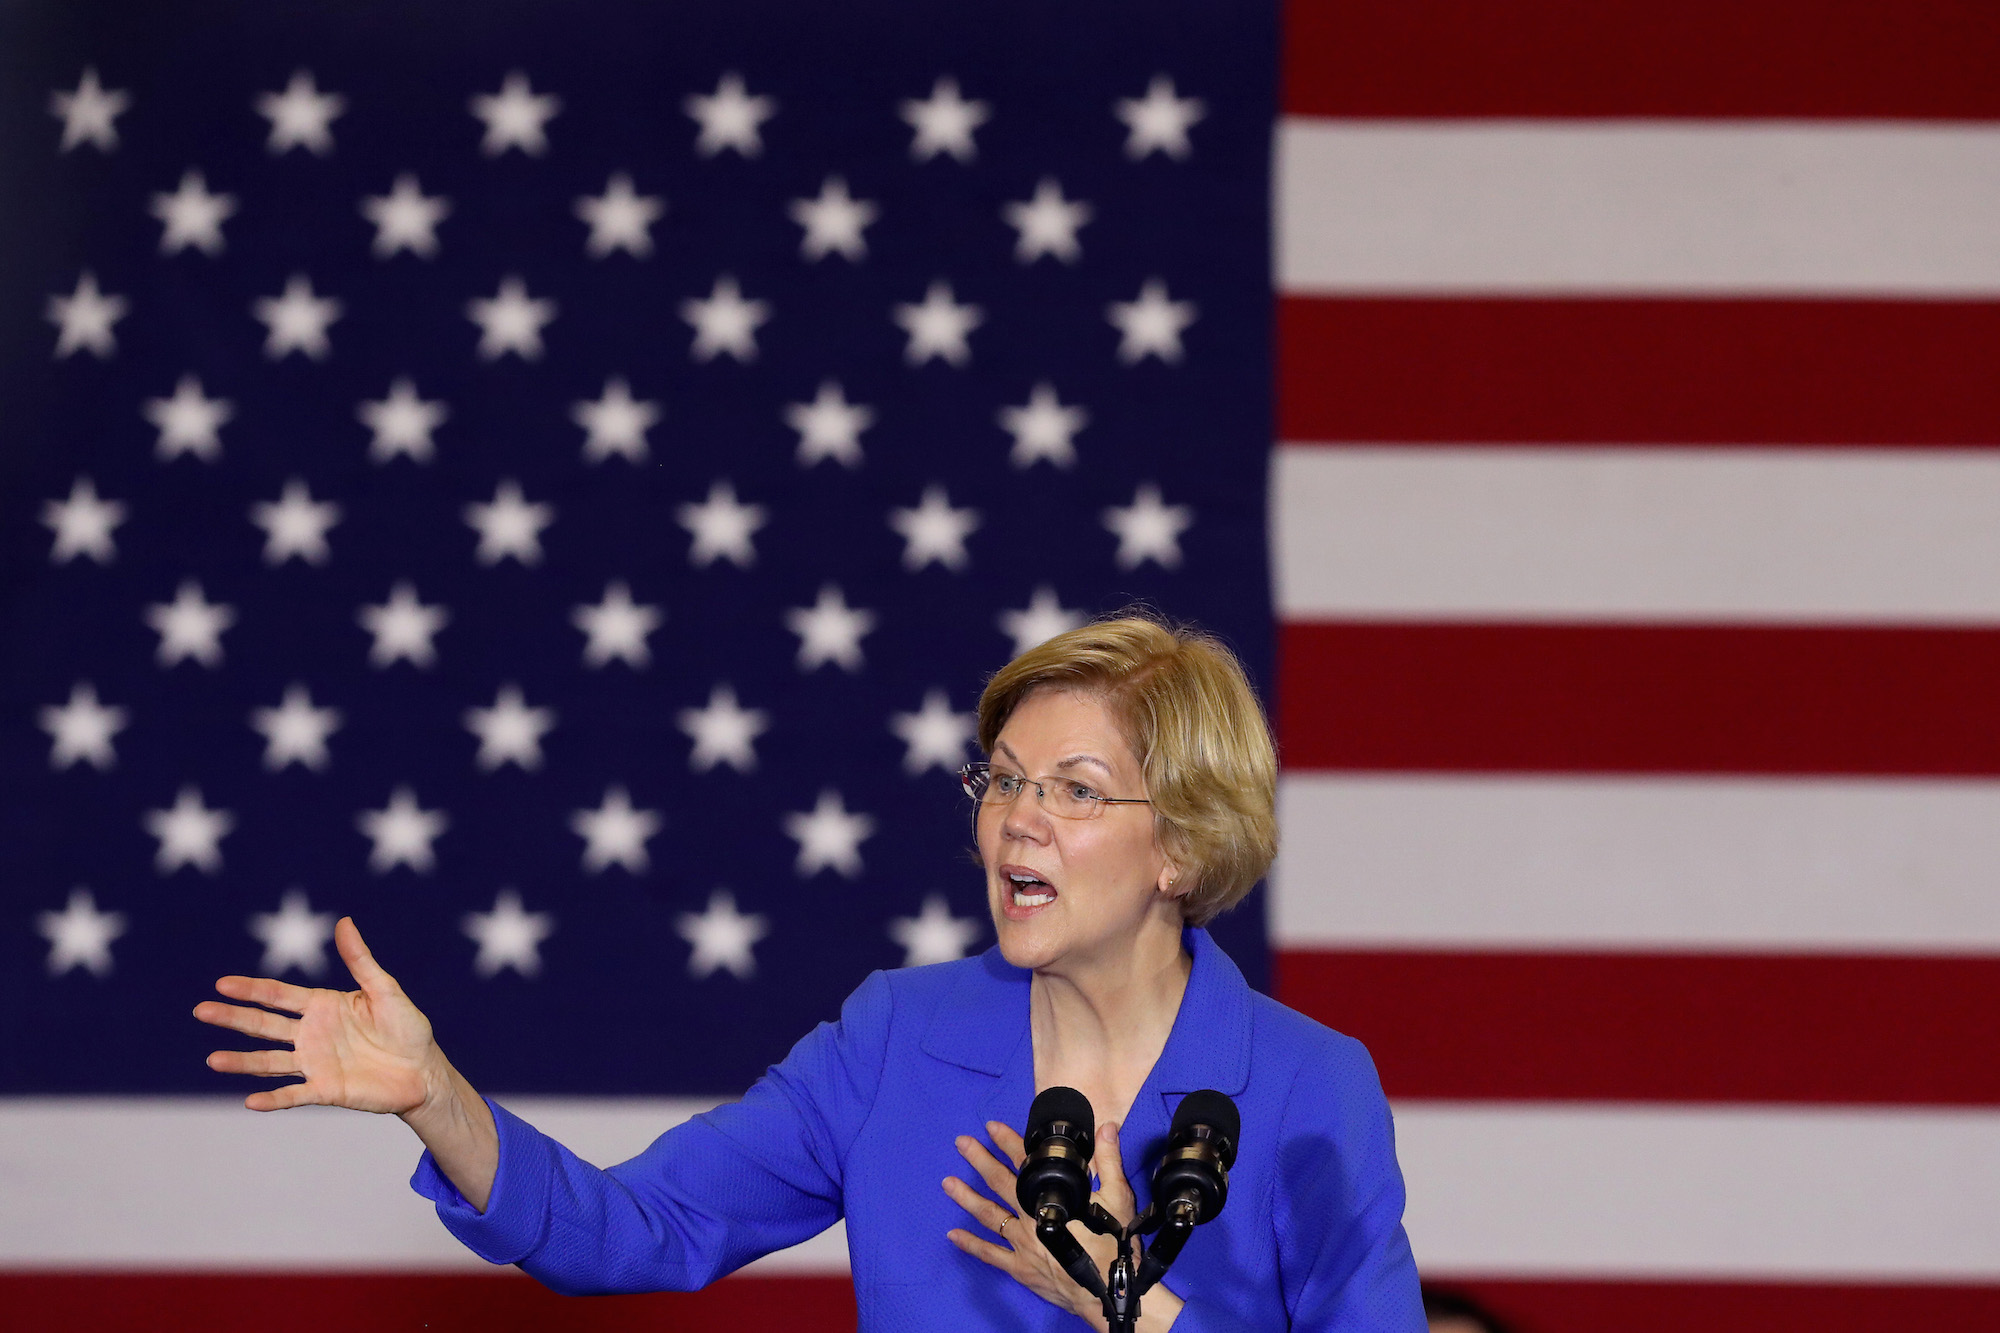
x,y
1027,945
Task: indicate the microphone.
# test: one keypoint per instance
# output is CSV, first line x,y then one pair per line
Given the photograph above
x,y
1192,1181
1061,1137
1193,1175
1053,1185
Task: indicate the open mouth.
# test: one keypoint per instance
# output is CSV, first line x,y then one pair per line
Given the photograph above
x,y
1026,890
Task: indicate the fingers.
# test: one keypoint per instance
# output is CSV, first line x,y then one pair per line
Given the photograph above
x,y
251,1022
1007,1141
997,1177
1113,1190
281,1099
987,1213
368,973
266,1064
983,1250
263,990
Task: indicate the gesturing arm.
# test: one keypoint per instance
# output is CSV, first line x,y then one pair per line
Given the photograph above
x,y
368,1050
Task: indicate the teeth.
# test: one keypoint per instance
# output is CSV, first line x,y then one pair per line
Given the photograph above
x,y
1032,899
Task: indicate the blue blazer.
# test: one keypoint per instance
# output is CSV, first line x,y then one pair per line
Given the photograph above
x,y
858,1122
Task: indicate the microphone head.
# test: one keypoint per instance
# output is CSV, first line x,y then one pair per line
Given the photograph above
x,y
1211,1108
1061,1136
1064,1104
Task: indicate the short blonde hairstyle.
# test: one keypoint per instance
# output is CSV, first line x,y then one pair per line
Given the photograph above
x,y
1189,714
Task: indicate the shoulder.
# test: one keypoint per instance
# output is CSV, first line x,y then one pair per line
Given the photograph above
x,y
1310,1060
908,997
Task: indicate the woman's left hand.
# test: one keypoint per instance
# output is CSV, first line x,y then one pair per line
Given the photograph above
x,y
1024,1258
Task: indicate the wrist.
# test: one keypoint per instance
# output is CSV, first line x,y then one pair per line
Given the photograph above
x,y
443,1097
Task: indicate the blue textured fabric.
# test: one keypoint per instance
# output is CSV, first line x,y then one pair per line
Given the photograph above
x,y
858,1122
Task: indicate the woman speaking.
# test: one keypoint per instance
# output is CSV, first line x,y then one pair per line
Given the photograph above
x,y
1126,800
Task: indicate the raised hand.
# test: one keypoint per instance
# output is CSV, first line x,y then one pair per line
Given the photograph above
x,y
367,1049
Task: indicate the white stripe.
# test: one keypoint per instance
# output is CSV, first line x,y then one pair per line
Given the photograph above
x,y
1638,207
112,1183
1776,865
197,1182
1546,1189
1639,534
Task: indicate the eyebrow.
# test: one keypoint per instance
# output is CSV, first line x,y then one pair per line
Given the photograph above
x,y
1068,763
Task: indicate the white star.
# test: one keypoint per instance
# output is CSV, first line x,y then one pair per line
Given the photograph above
x,y
724,322
829,631
615,833
1151,325
723,733
1148,530
934,735
834,222
189,422
722,528
190,833
1043,428
295,732
939,326
88,115
620,219
509,526
829,838
730,118
615,423
617,628
403,628
516,117
934,531
192,216
402,423
301,116
944,122
1041,620
80,935
934,935
295,525
1159,121
1047,224
829,426
402,832
405,218
297,320
507,936
509,732
292,936
82,729
82,524
190,626
722,937
84,318
510,321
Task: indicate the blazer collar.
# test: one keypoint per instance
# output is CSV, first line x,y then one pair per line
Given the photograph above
x,y
983,1023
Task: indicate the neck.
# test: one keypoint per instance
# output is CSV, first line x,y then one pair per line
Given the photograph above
x,y
1104,1021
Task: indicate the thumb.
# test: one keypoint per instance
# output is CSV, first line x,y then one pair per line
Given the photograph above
x,y
1109,1164
367,973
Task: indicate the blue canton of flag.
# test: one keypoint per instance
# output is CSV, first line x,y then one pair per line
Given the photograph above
x,y
551,481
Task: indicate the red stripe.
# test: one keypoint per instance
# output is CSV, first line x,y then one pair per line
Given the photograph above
x,y
1639,698
1731,1307
1661,1027
1817,372
440,1303
1913,58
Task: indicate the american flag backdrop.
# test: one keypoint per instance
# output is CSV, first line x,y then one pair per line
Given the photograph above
x,y
550,480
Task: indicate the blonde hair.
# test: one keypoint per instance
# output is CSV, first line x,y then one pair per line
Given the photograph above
x,y
1189,714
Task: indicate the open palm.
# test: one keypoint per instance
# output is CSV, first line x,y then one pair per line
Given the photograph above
x,y
367,1049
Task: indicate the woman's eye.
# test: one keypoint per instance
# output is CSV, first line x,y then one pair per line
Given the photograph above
x,y
1007,784
1079,792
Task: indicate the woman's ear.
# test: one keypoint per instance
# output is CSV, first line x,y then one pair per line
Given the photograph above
x,y
1170,881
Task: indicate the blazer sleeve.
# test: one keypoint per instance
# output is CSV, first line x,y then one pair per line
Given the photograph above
x,y
707,1197
1344,1261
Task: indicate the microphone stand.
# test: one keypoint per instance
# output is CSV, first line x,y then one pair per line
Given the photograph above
x,y
1128,1279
